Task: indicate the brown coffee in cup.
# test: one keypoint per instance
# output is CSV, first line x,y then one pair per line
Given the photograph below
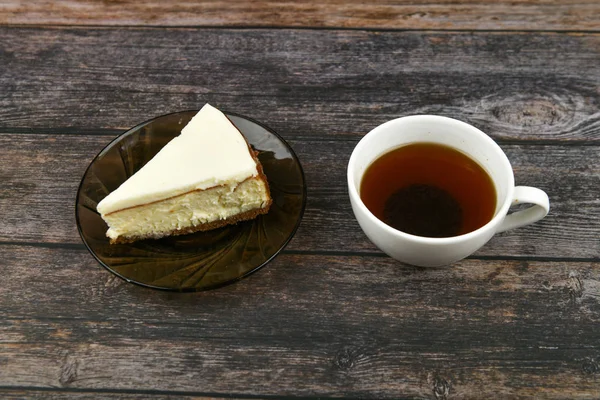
x,y
430,190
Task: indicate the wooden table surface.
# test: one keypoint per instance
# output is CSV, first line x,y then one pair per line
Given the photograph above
x,y
331,316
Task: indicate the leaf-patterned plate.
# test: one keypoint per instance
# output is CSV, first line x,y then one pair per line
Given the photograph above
x,y
202,260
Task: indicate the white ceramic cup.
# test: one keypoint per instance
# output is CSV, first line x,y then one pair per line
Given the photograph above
x,y
435,252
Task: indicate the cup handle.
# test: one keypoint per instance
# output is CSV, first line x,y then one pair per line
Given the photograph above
x,y
539,209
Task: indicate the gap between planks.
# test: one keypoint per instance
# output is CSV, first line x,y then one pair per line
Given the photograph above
x,y
301,28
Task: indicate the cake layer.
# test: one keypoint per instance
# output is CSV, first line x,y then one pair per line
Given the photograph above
x,y
190,212
209,152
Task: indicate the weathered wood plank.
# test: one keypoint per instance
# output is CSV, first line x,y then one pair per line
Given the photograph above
x,y
303,82
357,326
40,174
381,14
59,394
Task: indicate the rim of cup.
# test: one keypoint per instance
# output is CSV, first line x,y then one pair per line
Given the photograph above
x,y
491,224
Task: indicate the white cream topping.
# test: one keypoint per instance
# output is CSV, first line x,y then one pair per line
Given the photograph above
x,y
210,151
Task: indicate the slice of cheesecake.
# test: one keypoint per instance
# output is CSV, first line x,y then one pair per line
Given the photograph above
x,y
205,178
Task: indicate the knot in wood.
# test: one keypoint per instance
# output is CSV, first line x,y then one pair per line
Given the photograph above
x,y
527,111
590,366
574,286
345,358
68,370
441,388
417,14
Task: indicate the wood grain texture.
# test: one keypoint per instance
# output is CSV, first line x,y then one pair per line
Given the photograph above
x,y
525,86
380,14
59,394
40,174
306,326
331,316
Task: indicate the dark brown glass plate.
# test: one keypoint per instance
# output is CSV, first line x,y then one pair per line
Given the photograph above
x,y
203,260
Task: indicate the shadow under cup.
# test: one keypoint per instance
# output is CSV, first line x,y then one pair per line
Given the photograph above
x,y
463,137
